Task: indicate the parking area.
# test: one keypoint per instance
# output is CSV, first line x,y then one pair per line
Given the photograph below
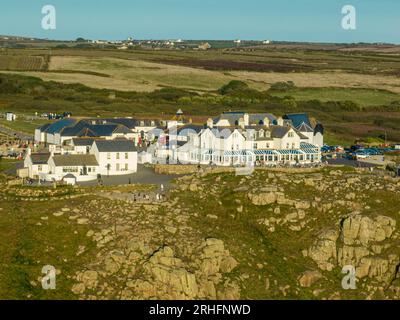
x,y
144,175
351,163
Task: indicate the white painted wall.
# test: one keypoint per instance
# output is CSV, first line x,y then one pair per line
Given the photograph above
x,y
120,163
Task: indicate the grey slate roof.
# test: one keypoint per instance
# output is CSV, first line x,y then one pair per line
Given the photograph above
x,y
279,131
44,127
254,118
75,160
298,119
85,128
40,158
82,142
59,126
122,129
115,146
304,128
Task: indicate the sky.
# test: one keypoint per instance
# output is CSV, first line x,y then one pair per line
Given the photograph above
x,y
279,20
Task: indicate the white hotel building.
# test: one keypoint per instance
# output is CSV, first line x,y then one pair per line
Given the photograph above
x,y
239,139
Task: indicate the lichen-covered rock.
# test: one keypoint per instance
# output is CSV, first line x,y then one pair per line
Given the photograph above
x,y
323,251
362,230
308,278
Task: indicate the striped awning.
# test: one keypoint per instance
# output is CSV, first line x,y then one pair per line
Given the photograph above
x,y
265,152
306,145
237,153
310,151
309,148
290,151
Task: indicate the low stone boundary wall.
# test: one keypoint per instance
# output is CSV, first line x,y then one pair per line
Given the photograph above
x,y
191,169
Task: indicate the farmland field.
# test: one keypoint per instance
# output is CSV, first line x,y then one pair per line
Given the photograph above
x,y
22,63
354,93
364,97
142,75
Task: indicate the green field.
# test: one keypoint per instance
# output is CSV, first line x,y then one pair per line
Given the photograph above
x,y
22,125
363,97
354,93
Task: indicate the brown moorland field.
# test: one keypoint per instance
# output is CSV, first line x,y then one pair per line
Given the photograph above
x,y
354,92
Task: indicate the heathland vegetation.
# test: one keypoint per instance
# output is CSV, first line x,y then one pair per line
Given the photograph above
x,y
354,93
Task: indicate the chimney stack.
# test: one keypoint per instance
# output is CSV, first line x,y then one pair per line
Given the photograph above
x,y
246,119
210,123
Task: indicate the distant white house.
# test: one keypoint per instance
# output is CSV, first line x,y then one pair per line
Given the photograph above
x,y
10,116
37,164
83,166
84,161
115,157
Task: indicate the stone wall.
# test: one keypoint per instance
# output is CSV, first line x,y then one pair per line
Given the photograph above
x,y
190,169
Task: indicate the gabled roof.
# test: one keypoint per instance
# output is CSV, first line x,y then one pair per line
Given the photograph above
x,y
60,125
279,131
44,127
298,119
304,128
132,123
254,118
82,141
127,122
76,160
115,146
73,131
86,132
258,118
122,129
103,130
40,158
302,136
85,128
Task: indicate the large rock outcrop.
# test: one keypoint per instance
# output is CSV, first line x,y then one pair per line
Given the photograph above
x,y
362,242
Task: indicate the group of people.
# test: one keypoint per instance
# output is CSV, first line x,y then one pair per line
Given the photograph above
x,y
153,196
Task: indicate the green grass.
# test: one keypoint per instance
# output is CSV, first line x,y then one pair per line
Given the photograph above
x,y
22,125
25,247
334,140
363,97
6,164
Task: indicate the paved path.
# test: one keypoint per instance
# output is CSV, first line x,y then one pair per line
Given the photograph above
x,y
351,163
144,175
